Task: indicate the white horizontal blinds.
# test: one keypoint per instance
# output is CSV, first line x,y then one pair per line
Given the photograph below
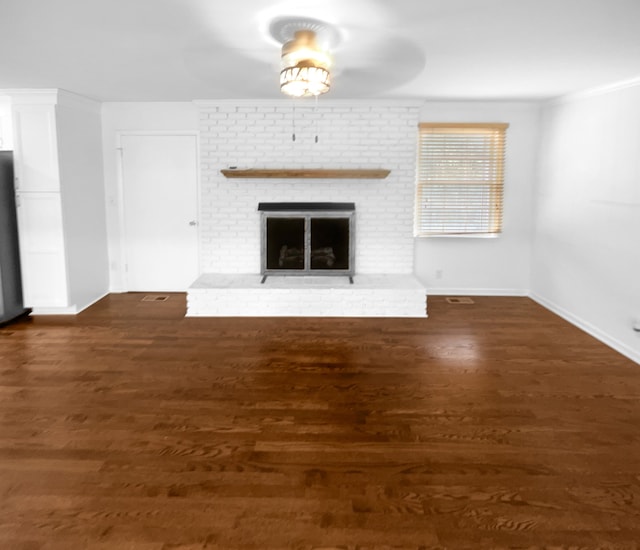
x,y
460,179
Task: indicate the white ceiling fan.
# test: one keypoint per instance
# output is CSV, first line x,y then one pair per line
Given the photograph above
x,y
362,57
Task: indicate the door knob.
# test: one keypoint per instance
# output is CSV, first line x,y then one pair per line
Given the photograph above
x,y
193,222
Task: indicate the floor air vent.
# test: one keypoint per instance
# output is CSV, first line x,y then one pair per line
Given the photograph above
x,y
460,300
156,298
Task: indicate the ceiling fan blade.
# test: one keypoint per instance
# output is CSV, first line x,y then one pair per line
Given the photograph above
x,y
368,66
236,73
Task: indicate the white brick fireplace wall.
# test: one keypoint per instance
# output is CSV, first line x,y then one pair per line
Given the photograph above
x,y
351,134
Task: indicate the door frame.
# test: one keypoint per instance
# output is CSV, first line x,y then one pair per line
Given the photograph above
x,y
120,206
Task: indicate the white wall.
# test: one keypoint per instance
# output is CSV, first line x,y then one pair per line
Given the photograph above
x,y
351,134
83,202
118,118
586,244
492,266
347,138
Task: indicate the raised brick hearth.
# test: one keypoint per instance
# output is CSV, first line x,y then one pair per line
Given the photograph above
x,y
313,296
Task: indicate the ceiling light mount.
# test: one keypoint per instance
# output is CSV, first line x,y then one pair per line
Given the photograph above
x,y
283,30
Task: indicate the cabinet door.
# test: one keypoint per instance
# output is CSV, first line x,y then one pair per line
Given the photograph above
x,y
42,253
36,149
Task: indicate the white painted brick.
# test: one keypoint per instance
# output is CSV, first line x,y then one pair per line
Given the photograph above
x,y
369,296
349,137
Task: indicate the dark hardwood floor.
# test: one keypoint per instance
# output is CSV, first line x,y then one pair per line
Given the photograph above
x,y
486,426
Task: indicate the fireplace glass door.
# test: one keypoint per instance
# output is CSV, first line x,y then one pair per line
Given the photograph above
x,y
312,241
329,247
285,243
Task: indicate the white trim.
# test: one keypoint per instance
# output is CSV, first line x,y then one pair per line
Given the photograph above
x,y
477,292
25,96
590,329
597,91
119,206
51,96
460,236
94,301
75,101
69,310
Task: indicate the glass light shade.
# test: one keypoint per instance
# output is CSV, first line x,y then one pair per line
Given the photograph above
x,y
305,68
304,81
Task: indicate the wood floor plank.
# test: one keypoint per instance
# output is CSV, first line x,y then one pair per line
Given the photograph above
x,y
493,425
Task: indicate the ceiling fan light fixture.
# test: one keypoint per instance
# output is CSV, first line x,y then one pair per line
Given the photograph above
x,y
304,67
304,81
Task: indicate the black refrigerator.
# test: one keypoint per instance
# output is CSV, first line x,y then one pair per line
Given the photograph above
x,y
11,305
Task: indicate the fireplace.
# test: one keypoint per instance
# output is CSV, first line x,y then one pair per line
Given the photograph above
x,y
307,238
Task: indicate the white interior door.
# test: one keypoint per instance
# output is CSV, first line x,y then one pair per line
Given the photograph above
x,y
159,178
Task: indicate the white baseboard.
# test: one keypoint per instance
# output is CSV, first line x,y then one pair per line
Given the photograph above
x,y
477,292
594,331
67,310
89,304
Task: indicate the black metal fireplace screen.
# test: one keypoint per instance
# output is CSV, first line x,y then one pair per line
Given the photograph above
x,y
307,238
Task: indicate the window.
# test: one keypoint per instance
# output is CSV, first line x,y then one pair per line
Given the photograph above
x,y
460,179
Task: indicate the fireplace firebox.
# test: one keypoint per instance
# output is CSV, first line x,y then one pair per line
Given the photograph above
x,y
307,238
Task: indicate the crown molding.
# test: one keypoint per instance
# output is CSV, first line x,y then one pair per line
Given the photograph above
x,y
31,96
76,101
51,96
597,91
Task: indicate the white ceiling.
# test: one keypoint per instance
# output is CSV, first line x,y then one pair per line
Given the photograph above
x,y
179,50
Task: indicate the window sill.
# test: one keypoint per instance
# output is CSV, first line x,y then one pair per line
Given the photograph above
x,y
461,236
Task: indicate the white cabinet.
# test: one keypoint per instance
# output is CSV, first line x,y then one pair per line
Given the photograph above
x,y
60,200
36,148
6,127
42,250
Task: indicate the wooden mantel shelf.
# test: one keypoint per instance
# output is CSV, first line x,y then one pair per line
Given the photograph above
x,y
336,173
